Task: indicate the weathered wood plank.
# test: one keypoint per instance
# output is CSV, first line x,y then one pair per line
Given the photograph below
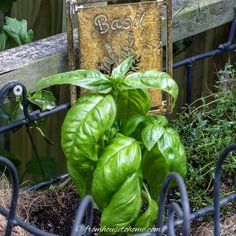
x,y
31,62
192,17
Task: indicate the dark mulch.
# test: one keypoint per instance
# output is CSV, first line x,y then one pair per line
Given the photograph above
x,y
55,212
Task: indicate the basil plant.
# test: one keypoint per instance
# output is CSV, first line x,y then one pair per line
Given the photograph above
x,y
115,150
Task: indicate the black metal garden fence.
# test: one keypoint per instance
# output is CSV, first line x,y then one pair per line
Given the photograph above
x,y
85,209
176,215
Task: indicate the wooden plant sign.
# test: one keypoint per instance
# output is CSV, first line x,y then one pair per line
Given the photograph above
x,y
110,34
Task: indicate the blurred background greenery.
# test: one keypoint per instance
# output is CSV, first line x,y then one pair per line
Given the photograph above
x,y
43,16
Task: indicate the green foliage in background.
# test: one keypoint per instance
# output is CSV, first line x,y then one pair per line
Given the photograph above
x,y
205,131
14,33
115,149
34,168
5,5
11,110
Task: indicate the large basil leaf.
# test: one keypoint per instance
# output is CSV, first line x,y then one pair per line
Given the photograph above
x,y
151,134
131,102
158,120
120,71
132,123
81,170
85,124
88,79
151,79
82,129
173,151
124,206
17,31
136,123
155,169
147,219
119,160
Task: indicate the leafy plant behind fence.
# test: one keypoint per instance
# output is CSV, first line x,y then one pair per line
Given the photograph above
x,y
205,131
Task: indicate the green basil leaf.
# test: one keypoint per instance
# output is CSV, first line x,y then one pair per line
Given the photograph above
x,y
131,102
119,160
173,151
151,79
151,134
80,170
85,124
81,131
88,79
43,99
17,31
155,169
121,70
137,123
3,40
158,120
132,123
148,218
124,206
110,134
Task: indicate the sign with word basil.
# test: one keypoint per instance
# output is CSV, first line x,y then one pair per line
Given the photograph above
x,y
110,34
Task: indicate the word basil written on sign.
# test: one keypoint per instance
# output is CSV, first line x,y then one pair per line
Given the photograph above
x,y
110,34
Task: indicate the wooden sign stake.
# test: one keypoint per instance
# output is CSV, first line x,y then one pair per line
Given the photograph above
x,y
71,50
